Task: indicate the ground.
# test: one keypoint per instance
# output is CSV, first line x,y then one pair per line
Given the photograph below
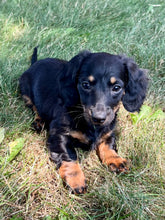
x,y
30,186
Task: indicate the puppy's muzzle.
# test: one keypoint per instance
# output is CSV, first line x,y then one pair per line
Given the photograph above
x,y
99,113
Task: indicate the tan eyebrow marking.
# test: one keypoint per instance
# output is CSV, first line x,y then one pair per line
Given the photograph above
x,y
112,79
91,78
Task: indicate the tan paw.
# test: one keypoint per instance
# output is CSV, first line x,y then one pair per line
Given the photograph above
x,y
110,158
73,176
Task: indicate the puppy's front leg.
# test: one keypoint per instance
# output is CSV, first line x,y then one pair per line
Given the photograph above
x,y
109,157
64,155
73,176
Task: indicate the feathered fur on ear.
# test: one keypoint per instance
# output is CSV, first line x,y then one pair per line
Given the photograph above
x,y
68,79
75,63
136,86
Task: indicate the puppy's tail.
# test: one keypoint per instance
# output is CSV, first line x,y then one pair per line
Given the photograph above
x,y
34,56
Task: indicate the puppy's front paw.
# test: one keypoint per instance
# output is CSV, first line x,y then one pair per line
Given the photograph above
x,y
110,158
118,165
73,176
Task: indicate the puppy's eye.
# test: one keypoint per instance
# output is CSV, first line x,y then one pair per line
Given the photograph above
x,y
116,88
86,85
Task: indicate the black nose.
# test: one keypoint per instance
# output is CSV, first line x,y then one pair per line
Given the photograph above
x,y
98,120
99,113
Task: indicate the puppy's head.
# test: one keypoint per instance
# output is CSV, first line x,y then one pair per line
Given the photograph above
x,y
103,80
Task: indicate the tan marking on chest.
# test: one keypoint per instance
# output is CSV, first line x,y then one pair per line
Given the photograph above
x,y
80,136
105,136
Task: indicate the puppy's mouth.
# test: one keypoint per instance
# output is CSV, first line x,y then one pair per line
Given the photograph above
x,y
98,120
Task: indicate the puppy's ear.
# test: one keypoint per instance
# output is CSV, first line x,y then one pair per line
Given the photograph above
x,y
68,79
136,86
76,62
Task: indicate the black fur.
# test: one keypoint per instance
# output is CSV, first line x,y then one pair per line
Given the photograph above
x,y
79,96
34,56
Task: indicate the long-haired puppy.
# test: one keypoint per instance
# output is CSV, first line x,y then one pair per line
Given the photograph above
x,y
78,101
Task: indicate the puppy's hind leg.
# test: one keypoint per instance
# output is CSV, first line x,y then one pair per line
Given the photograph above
x,y
38,123
26,92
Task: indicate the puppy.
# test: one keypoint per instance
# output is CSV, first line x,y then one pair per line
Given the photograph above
x,y
78,101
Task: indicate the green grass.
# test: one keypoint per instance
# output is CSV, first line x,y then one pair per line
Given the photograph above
x,y
30,187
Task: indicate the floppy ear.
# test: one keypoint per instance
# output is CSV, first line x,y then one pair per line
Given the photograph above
x,y
68,86
136,86
75,63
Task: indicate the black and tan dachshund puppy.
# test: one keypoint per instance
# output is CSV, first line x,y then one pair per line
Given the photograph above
x,y
78,101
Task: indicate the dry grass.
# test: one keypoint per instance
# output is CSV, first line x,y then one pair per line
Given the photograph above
x,y
34,190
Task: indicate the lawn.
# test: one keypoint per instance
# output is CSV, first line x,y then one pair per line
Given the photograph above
x,y
30,186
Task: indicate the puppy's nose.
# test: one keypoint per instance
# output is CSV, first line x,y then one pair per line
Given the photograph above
x,y
99,113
